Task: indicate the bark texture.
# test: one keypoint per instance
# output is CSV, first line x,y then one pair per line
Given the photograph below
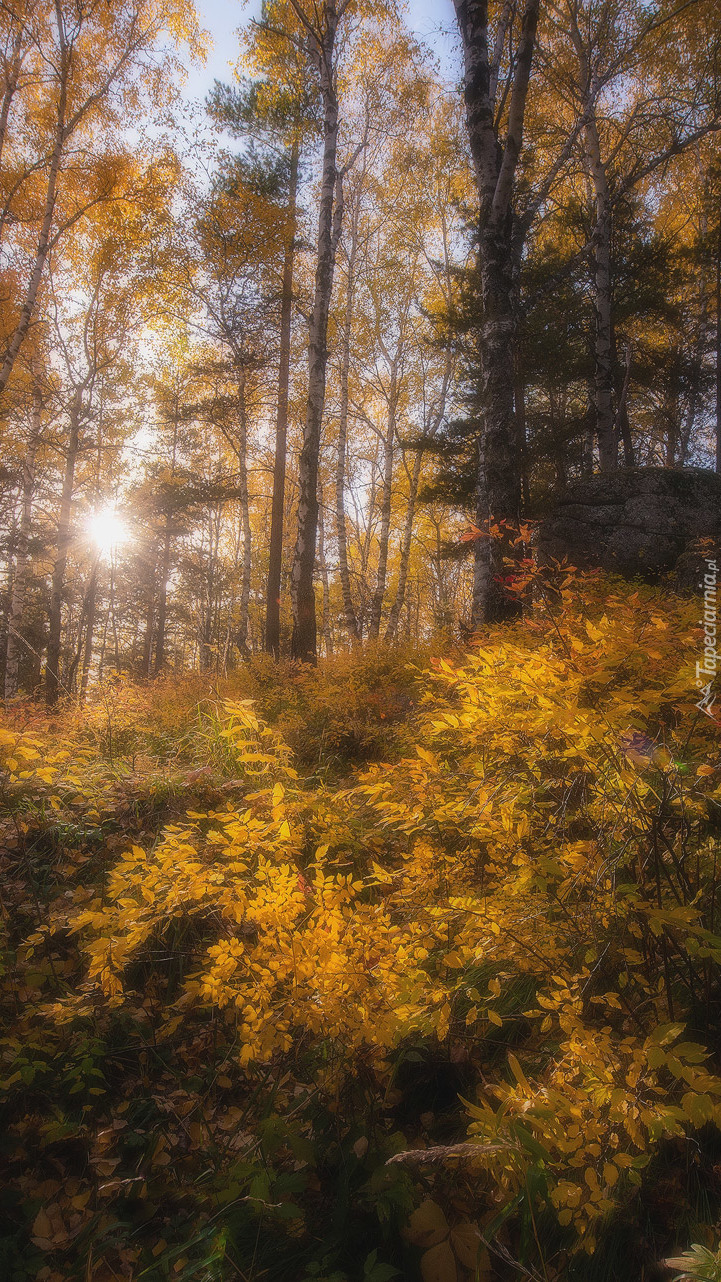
x,y
374,624
52,666
322,46
244,498
275,559
606,428
498,497
20,576
349,614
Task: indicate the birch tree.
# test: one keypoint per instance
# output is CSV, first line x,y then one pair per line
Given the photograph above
x,y
73,77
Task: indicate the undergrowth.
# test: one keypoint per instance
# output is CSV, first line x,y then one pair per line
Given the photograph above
x,y
404,966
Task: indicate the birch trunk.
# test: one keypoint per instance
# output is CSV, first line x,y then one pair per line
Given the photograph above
x,y
602,304
14,67
326,628
304,641
162,601
374,625
437,412
351,621
17,338
146,661
519,409
606,434
52,665
20,577
242,634
394,613
697,364
86,624
90,629
165,563
275,558
623,426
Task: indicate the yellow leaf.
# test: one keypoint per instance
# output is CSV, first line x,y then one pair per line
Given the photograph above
x,y
439,1264
427,1225
284,832
469,1249
518,1073
41,1224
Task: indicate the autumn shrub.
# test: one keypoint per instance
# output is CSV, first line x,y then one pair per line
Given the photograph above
x,y
352,708
301,979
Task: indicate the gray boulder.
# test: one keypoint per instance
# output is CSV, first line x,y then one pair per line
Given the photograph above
x,y
635,522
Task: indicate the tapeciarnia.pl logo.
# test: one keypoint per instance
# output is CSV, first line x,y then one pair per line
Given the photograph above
x,y
708,667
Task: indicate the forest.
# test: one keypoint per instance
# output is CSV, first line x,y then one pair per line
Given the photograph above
x,y
360,528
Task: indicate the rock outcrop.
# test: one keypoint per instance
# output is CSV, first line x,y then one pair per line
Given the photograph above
x,y
635,522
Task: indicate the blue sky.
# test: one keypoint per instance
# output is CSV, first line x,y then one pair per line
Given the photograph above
x,y
433,21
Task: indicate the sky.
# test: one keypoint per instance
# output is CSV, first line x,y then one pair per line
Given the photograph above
x,y
432,21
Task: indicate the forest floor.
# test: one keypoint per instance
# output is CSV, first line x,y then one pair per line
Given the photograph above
x,y
404,966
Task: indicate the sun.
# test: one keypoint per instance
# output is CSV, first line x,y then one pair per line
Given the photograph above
x,y
108,530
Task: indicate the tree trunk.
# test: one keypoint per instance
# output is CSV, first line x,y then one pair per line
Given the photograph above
x,y
351,621
623,426
12,78
52,665
438,409
20,577
275,557
519,411
606,434
326,627
146,662
162,601
498,495
42,250
374,625
603,306
242,634
304,640
671,415
86,624
89,631
165,563
495,162
394,613
697,370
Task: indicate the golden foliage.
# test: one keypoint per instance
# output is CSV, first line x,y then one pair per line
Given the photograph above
x,y
538,876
